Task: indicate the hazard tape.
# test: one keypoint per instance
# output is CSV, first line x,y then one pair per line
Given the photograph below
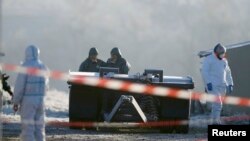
x,y
169,123
127,86
118,124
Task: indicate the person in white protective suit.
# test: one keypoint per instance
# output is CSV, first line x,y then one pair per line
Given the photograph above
x,y
29,95
218,79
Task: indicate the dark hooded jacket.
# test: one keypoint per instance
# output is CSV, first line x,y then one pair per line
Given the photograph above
x,y
89,66
121,63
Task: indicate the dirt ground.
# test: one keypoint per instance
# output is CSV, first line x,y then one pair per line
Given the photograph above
x,y
12,131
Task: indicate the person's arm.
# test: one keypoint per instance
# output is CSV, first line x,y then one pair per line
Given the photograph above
x,y
125,67
19,89
205,71
46,80
103,64
83,67
108,61
229,77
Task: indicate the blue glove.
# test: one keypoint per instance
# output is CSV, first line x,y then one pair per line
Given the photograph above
x,y
209,87
230,89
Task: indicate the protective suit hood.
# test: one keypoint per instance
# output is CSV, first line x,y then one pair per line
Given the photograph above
x,y
219,49
32,53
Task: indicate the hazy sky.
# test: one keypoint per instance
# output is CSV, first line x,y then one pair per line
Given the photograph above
x,y
163,34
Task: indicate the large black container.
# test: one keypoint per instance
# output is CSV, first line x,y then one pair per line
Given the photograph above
x,y
86,103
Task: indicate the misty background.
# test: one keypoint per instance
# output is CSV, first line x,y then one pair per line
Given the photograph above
x,y
162,34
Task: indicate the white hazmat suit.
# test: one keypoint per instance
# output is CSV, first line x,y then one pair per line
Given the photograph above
x,y
29,93
217,72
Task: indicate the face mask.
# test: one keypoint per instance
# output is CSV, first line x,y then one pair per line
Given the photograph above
x,y
221,56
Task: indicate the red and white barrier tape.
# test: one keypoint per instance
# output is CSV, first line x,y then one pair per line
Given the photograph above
x,y
118,124
127,86
167,123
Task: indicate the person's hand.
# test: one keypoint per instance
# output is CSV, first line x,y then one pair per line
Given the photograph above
x,y
230,89
15,107
209,87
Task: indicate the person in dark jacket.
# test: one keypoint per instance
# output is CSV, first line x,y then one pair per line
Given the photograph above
x,y
92,63
117,61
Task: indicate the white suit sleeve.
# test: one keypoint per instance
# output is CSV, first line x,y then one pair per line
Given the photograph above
x,y
205,70
19,88
45,68
229,77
